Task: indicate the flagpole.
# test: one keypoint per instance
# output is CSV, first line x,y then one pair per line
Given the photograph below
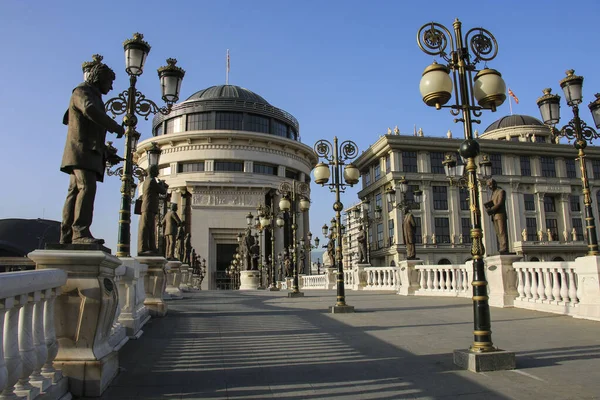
x,y
510,105
227,69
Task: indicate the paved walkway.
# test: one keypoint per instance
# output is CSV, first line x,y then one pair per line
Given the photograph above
x,y
262,345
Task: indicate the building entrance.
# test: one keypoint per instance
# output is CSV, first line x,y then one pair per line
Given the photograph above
x,y
225,254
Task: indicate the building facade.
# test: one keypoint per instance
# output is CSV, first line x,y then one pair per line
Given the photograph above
x,y
224,152
540,175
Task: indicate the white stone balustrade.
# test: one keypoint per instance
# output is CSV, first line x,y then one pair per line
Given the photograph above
x,y
314,281
349,278
154,281
134,314
28,344
173,280
408,277
547,286
382,278
443,280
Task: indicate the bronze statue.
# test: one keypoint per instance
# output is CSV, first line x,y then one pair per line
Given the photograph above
x,y
151,189
496,208
187,249
408,234
255,255
331,251
361,238
180,243
246,250
287,263
170,224
84,157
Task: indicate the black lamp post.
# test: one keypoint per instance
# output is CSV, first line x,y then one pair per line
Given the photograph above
x,y
336,157
489,91
576,129
131,102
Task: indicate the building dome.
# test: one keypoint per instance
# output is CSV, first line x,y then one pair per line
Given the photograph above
x,y
227,92
18,237
510,121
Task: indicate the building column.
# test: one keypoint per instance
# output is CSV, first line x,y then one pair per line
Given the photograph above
x,y
454,217
541,213
516,218
487,224
426,211
565,217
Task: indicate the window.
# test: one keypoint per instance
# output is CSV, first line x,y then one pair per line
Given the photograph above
x,y
378,202
575,205
256,123
549,205
531,226
548,167
525,166
174,125
377,171
265,169
596,168
388,164
571,171
540,139
190,167
440,198
199,121
367,178
379,236
229,120
409,161
158,130
552,224
578,225
410,196
391,231
529,202
229,166
442,230
371,244
464,199
436,158
465,229
292,174
279,129
496,160
418,234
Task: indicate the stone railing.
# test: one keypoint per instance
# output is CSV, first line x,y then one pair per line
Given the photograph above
x,y
381,278
27,328
443,280
314,281
547,286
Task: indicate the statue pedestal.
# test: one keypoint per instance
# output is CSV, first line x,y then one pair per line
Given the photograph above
x,y
155,281
132,295
331,278
409,277
186,272
173,280
249,280
84,315
502,279
588,287
360,276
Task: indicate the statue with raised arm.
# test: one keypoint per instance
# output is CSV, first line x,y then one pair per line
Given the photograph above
x,y
84,157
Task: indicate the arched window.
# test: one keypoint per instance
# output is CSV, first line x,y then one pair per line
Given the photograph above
x,y
392,263
558,259
444,261
534,259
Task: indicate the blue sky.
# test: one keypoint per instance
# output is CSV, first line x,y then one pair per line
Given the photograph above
x,y
345,68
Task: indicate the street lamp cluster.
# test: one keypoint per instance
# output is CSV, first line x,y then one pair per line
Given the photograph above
x,y
488,90
577,130
131,102
335,158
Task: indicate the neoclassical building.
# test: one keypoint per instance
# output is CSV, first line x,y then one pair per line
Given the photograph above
x,y
224,152
541,178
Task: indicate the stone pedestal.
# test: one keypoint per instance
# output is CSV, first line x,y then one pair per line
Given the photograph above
x,y
132,295
186,271
502,279
154,284
588,287
498,360
84,314
118,332
409,277
173,280
341,309
360,276
249,280
331,277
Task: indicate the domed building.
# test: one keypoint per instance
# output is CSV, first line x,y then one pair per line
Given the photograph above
x,y
541,177
224,152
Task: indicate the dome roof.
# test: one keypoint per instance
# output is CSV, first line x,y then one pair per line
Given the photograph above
x,y
227,92
21,236
514,120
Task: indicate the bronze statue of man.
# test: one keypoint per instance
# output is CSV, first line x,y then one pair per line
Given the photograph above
x,y
187,249
151,189
361,238
496,208
408,234
180,244
171,224
84,157
247,244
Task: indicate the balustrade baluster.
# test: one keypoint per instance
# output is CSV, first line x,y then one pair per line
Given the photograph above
x,y
534,284
521,283
436,279
555,285
26,347
422,281
5,304
50,337
564,289
541,284
573,287
442,282
465,280
430,272
39,341
548,289
12,357
527,287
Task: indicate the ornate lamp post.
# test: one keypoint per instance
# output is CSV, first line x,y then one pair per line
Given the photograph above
x,y
268,221
390,194
336,157
289,204
131,102
307,245
577,130
489,91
